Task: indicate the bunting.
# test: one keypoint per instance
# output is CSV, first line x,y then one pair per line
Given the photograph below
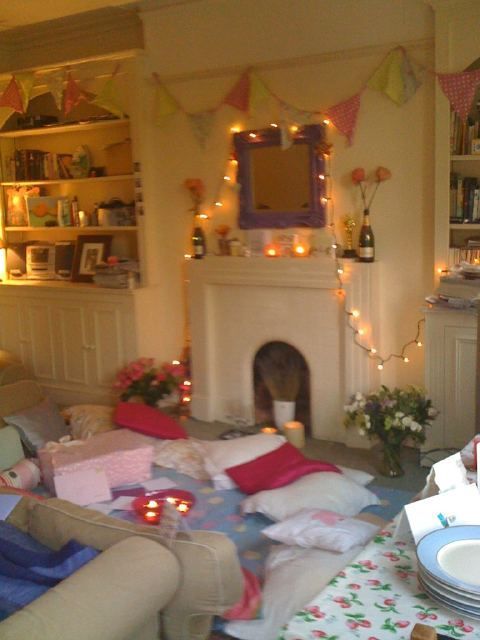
x,y
25,82
72,96
201,124
165,105
258,92
344,116
108,99
395,77
54,83
460,90
239,96
11,97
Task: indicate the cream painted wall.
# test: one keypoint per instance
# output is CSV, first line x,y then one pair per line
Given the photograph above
x,y
312,53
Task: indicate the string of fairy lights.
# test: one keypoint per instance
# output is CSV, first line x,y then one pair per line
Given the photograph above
x,y
353,315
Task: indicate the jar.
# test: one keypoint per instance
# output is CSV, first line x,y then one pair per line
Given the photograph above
x,y
235,247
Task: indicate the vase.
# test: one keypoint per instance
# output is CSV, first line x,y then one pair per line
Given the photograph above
x,y
391,464
283,411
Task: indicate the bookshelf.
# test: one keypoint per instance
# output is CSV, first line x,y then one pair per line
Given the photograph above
x,y
109,174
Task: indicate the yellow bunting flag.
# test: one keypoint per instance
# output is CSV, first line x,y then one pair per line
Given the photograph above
x,y
165,105
258,92
5,113
54,84
25,82
107,99
395,77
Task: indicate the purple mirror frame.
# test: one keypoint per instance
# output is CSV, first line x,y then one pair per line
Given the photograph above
x,y
250,218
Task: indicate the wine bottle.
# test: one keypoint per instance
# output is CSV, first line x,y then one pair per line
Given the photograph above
x,y
198,241
366,240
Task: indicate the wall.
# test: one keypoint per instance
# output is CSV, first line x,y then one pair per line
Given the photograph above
x,y
313,54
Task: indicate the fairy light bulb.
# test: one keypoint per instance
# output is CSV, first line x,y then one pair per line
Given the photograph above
x,y
405,359
218,203
187,256
361,332
323,200
294,128
356,313
419,344
235,129
334,245
321,176
203,216
274,125
252,135
373,351
175,362
326,121
187,383
340,270
380,366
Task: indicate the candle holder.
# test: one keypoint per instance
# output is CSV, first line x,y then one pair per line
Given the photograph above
x,y
150,507
294,431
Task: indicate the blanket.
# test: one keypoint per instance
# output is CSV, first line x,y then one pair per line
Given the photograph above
x,y
28,568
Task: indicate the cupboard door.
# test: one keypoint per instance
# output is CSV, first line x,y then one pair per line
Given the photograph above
x,y
40,336
12,335
74,343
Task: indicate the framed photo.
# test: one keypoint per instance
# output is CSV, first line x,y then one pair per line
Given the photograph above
x,y
89,251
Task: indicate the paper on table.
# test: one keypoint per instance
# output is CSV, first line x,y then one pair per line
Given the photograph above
x,y
122,503
157,484
455,507
450,473
83,487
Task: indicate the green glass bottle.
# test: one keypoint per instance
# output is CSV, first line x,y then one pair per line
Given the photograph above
x,y
198,242
366,240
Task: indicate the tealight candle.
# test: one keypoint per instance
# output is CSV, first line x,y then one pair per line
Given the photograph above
x,y
300,250
269,430
271,251
152,516
295,433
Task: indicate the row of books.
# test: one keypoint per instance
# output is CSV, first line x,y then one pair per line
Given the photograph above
x,y
464,198
32,164
464,254
464,136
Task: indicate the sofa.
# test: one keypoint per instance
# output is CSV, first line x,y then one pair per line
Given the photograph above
x,y
142,586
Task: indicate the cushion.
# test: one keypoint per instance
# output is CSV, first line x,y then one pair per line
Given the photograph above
x,y
276,469
332,491
148,420
361,477
309,570
181,455
249,605
219,455
38,425
321,529
11,450
86,420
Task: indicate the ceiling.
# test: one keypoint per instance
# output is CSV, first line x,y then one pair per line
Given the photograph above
x,y
24,12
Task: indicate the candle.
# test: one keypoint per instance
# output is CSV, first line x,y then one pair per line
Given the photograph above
x,y
271,251
269,430
300,250
153,517
295,433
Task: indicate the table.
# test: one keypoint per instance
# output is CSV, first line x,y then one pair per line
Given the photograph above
x,y
377,597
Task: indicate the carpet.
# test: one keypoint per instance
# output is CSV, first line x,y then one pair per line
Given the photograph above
x,y
392,501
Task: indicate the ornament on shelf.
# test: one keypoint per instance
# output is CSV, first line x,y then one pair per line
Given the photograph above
x,y
349,225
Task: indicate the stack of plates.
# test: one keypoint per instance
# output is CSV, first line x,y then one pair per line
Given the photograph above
x,y
449,568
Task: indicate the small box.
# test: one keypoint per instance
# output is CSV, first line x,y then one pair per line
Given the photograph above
x,y
476,146
121,453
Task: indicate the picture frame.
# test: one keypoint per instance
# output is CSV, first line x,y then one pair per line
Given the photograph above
x,y
89,251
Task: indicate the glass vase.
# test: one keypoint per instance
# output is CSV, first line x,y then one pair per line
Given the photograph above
x,y
391,464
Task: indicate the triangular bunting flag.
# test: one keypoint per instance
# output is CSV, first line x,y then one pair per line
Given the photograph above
x,y
72,96
460,90
258,92
165,105
107,99
344,116
412,77
296,116
239,95
25,83
395,77
5,113
54,83
11,97
201,124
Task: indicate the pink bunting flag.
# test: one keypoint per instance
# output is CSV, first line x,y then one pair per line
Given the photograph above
x,y
344,116
460,90
239,96
11,97
72,95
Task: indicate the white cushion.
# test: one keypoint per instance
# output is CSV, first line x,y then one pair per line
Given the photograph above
x,y
357,475
219,455
325,490
321,529
309,570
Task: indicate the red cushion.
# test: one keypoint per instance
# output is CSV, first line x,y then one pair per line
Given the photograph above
x,y
148,420
275,469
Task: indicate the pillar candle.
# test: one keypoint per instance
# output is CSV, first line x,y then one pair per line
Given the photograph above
x,y
269,430
295,433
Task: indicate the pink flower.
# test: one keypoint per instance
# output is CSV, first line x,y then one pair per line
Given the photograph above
x,y
358,175
382,174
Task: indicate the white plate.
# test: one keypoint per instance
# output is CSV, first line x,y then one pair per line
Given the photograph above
x,y
452,556
449,592
464,609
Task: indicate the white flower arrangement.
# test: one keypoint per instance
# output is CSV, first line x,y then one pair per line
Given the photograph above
x,y
391,415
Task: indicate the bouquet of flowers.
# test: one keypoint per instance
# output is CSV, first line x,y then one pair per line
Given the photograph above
x,y
196,188
391,415
144,380
359,178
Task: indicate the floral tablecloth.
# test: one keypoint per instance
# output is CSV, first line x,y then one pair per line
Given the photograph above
x,y
375,597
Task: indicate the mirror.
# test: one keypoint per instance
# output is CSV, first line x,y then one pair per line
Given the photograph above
x,y
280,187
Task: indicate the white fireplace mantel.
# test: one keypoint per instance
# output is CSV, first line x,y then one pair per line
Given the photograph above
x,y
236,305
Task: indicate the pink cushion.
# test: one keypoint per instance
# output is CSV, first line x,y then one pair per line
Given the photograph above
x,y
147,420
275,469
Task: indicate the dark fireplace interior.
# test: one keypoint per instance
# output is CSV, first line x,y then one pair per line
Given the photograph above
x,y
280,370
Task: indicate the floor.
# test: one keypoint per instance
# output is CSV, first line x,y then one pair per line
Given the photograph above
x,y
364,459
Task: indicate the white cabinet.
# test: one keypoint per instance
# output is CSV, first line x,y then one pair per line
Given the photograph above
x,y
450,378
72,341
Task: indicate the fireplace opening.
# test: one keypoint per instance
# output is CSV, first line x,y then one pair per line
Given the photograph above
x,y
280,372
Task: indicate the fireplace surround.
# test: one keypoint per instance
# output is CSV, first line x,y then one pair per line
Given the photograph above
x,y
236,305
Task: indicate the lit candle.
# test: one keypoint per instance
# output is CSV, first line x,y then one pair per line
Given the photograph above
x,y
269,430
271,251
152,516
300,250
295,433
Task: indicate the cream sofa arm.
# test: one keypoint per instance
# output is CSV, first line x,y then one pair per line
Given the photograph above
x,y
211,582
110,598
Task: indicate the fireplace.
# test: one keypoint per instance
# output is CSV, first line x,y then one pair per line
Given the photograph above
x,y
238,305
